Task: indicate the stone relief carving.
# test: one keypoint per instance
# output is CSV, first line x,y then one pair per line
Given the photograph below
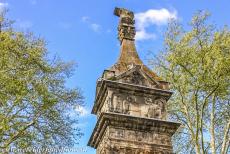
x,y
129,150
131,135
121,104
154,111
156,108
120,133
161,102
135,78
126,27
149,100
139,136
126,104
150,107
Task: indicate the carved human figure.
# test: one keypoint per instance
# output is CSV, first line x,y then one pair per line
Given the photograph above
x,y
156,109
148,100
126,104
139,136
137,78
160,107
152,110
118,104
131,135
110,104
112,132
120,133
148,136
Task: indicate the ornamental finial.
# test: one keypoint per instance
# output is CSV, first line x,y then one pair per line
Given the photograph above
x,y
126,28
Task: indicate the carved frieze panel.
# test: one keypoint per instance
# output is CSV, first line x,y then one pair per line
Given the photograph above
x,y
139,136
156,109
135,151
121,103
150,107
124,141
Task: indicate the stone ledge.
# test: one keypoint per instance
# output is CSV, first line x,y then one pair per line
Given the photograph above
x,y
130,122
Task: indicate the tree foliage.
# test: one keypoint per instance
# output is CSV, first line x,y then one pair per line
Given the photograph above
x,y
197,64
35,103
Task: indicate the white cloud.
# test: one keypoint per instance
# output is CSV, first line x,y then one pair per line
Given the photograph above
x,y
82,111
143,35
3,6
152,17
94,26
158,17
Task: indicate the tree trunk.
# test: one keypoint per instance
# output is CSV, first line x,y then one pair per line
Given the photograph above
x,y
212,126
197,147
226,140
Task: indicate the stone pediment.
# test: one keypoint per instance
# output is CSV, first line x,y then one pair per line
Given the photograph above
x,y
136,75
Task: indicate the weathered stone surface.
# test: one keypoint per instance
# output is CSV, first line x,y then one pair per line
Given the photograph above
x,y
131,102
118,97
126,29
121,131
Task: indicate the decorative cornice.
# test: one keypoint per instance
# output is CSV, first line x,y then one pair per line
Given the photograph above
x,y
130,122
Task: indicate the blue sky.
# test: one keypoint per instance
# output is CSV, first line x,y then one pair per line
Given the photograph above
x,y
85,31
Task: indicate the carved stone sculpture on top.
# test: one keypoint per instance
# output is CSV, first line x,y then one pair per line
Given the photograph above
x,y
126,27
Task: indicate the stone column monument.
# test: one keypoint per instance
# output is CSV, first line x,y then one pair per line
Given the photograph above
x,y
130,102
